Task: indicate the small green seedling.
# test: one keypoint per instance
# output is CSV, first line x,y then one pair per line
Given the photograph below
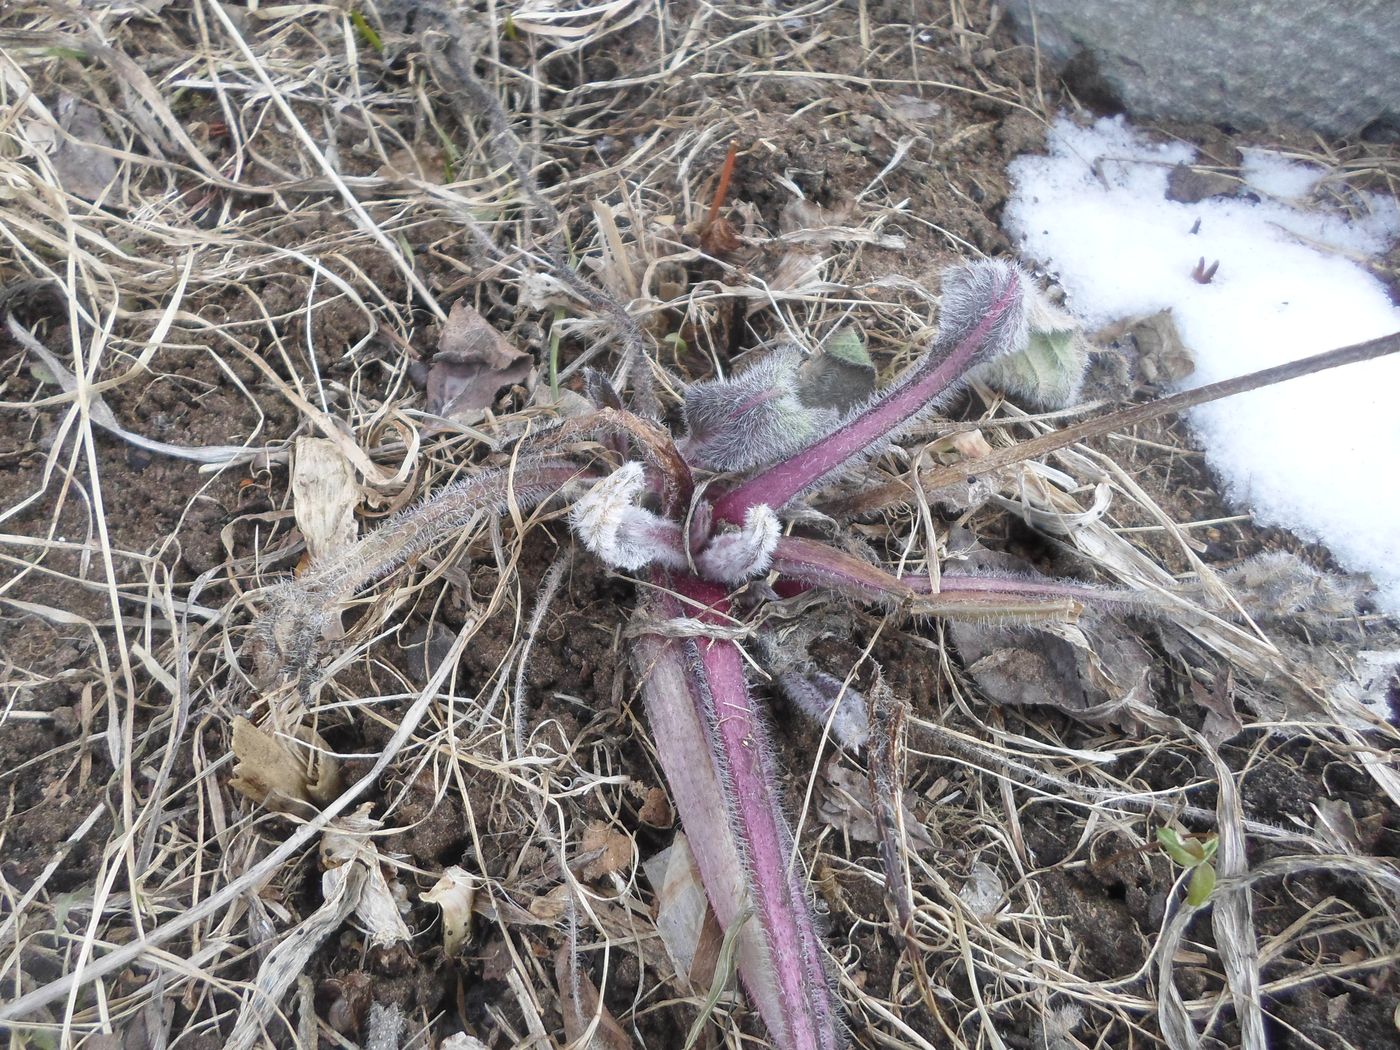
x,y
1195,854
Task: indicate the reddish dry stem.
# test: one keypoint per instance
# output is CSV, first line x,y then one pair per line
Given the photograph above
x,y
722,190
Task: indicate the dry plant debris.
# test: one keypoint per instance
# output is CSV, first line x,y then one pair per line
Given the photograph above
x,y
235,231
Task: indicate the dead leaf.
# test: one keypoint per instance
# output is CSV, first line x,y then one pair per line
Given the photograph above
x,y
346,845
422,164
455,894
324,496
581,1007
1163,359
681,908
275,774
656,809
604,851
964,445
472,363
79,159
1222,720
1096,672
983,890
847,803
719,238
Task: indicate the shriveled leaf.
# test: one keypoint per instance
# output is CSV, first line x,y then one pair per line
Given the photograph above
x,y
1222,720
347,846
583,1009
847,803
682,909
983,890
1163,359
80,159
272,772
604,851
1095,673
472,363
425,163
324,496
455,894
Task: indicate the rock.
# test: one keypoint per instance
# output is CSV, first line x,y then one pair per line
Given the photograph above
x,y
1332,67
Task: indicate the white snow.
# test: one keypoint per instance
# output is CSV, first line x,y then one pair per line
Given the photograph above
x,y
1318,455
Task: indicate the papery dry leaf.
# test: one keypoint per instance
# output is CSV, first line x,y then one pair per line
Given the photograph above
x,y
983,890
1222,720
553,906
1096,673
847,803
80,161
964,445
681,906
324,496
1162,357
719,238
270,772
472,363
462,1041
455,893
422,164
604,850
580,1005
345,846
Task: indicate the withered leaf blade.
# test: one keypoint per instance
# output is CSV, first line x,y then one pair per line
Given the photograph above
x,y
81,161
472,363
580,1004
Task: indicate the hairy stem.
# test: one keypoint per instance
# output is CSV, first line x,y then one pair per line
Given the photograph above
x,y
802,1014
904,399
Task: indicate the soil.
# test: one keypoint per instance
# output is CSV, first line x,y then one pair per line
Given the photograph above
x,y
1079,891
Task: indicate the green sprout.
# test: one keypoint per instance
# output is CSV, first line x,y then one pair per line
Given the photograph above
x,y
367,31
1195,854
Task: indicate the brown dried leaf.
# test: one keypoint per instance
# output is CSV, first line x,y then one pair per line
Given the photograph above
x,y
719,238
455,894
1162,357
1096,673
81,162
1222,720
847,803
604,851
270,773
580,1005
472,362
656,809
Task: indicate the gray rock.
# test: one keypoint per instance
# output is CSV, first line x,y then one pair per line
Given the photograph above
x,y
1330,65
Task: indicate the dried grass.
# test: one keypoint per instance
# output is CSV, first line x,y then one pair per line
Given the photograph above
x,y
290,211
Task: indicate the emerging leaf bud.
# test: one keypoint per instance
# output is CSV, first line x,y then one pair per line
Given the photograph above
x,y
610,524
740,554
972,293
753,418
1047,374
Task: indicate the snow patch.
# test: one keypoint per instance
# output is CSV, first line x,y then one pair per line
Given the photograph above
x,y
1317,455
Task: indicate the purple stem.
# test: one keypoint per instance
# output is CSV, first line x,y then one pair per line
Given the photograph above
x,y
802,1010
813,562
896,406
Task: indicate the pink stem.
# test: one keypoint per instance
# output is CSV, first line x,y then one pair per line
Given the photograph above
x,y
802,1009
903,400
